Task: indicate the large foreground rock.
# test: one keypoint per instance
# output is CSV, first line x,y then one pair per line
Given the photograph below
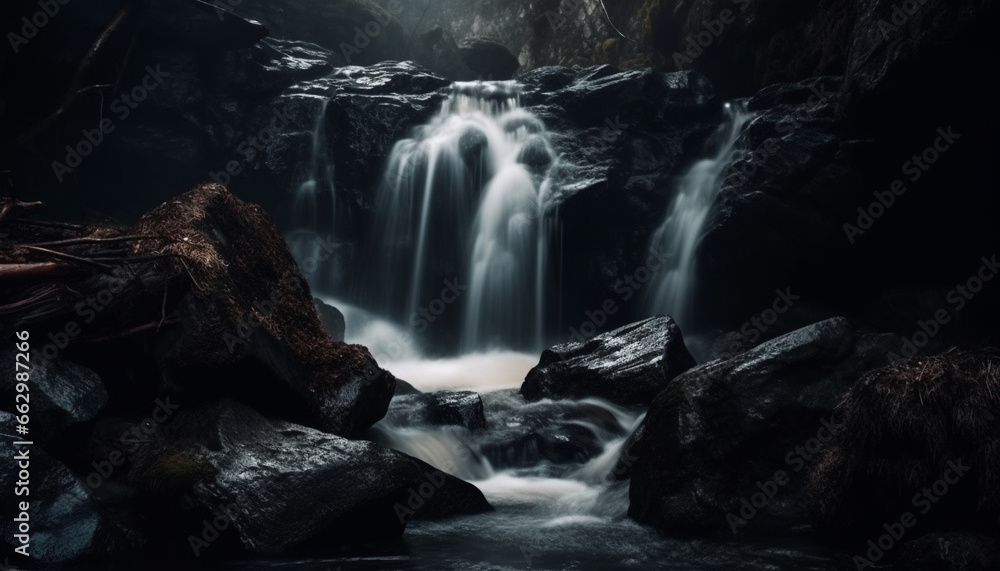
x,y
627,366
722,427
204,301
295,486
249,303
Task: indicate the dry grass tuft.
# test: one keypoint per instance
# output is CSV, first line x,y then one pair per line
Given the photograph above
x,y
902,424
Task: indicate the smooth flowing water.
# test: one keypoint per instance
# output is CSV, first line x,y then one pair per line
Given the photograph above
x,y
673,290
314,208
468,194
465,201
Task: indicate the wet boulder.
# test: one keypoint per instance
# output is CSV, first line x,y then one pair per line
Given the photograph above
x,y
62,394
371,110
782,200
627,366
745,429
290,485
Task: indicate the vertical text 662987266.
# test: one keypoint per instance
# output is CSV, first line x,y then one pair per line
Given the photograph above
x,y
22,373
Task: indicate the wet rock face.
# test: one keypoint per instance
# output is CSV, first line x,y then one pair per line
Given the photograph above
x,y
63,520
628,366
62,394
722,427
781,199
622,138
295,486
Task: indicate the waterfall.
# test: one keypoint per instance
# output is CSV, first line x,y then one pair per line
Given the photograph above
x,y
672,290
314,205
465,199
320,175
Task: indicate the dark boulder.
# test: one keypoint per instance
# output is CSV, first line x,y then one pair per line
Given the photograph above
x,y
207,301
627,366
274,64
488,58
250,305
723,427
332,320
293,486
62,394
821,157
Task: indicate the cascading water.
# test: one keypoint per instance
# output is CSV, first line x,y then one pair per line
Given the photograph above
x,y
673,288
315,203
467,198
305,209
